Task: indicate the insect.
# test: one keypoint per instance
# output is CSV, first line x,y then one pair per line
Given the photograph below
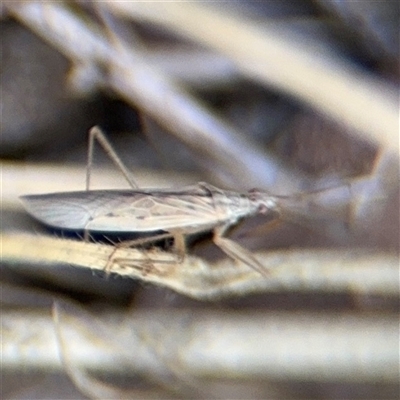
x,y
177,213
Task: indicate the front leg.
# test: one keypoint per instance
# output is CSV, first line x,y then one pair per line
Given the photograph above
x,y
236,251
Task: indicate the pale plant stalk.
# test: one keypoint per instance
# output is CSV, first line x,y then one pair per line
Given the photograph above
x,y
222,149
264,54
354,271
364,344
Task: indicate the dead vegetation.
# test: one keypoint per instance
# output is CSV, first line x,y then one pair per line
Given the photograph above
x,y
286,98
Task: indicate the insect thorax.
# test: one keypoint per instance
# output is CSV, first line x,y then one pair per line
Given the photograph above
x,y
233,206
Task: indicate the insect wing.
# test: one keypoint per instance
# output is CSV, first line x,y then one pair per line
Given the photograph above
x,y
124,211
159,211
69,210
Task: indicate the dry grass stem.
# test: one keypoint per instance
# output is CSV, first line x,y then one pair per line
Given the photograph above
x,y
297,81
239,161
276,58
359,272
363,345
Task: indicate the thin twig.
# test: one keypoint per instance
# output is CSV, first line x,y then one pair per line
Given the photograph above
x,y
221,149
276,58
356,271
319,347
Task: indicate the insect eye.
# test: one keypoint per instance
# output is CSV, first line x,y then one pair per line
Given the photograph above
x,y
262,209
253,193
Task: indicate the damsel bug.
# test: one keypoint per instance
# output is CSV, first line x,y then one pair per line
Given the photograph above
x,y
176,213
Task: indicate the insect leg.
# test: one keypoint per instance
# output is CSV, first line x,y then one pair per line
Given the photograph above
x,y
96,133
179,248
179,245
133,243
236,251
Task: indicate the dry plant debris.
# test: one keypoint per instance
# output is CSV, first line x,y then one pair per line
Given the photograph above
x,y
164,59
